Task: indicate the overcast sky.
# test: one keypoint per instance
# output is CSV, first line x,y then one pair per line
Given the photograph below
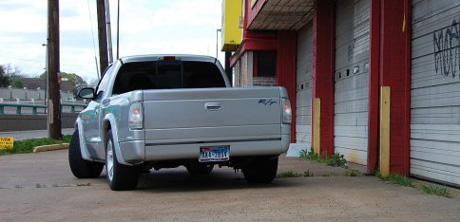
x,y
146,27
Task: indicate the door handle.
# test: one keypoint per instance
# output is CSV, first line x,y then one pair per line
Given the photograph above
x,y
213,106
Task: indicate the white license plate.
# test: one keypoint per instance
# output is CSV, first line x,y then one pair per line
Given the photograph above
x,y
214,154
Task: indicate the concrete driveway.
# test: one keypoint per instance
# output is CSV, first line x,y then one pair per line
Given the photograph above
x,y
40,187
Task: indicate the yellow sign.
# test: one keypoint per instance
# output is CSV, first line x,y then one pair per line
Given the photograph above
x,y
231,31
6,142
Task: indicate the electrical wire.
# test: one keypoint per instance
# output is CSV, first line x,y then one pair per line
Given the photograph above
x,y
94,44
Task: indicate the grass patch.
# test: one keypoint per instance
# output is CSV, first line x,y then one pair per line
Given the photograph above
x,y
288,174
428,189
398,179
435,190
27,146
337,160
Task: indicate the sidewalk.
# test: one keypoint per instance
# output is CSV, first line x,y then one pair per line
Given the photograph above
x,y
22,135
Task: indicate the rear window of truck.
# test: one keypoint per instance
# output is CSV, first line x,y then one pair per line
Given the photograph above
x,y
167,74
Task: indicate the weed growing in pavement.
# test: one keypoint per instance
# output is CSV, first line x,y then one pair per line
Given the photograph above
x,y
307,174
27,146
18,186
40,185
288,174
311,155
353,173
337,160
304,153
61,185
83,184
435,190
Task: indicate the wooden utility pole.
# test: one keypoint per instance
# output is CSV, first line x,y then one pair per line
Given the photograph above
x,y
102,35
54,102
228,69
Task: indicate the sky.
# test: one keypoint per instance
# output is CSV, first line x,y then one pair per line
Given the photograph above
x,y
146,27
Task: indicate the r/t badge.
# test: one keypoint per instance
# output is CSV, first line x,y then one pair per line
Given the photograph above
x,y
267,102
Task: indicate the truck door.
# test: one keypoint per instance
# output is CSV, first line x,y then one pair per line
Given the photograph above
x,y
92,118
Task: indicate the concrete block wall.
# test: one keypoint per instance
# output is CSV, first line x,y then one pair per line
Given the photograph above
x,y
11,94
32,122
265,81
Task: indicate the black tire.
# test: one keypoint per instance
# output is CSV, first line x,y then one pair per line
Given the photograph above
x,y
261,170
199,169
119,176
80,167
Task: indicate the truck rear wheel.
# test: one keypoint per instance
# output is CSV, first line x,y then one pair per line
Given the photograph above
x,y
261,170
119,176
80,167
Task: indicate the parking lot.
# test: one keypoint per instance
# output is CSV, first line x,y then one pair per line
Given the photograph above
x,y
40,187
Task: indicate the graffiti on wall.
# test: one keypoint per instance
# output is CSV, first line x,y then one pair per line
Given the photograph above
x,y
446,43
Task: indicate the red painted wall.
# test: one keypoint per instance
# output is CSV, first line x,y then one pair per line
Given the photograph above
x,y
286,69
323,70
395,72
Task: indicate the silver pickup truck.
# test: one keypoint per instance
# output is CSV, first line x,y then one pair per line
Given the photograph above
x,y
165,111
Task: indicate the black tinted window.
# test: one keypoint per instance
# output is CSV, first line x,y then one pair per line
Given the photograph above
x,y
266,62
102,86
167,75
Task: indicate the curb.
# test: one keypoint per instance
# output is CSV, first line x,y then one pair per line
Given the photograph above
x,y
51,147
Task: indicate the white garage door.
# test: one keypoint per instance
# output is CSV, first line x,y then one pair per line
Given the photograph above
x,y
435,90
352,79
304,101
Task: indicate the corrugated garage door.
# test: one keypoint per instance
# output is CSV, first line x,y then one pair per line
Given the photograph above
x,y
304,101
435,90
352,79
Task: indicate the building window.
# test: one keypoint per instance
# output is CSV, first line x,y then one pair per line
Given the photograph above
x,y
266,63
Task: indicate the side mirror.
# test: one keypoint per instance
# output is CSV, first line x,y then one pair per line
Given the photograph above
x,y
86,93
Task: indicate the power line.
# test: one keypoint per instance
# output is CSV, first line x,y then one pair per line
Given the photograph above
x,y
92,36
25,60
35,61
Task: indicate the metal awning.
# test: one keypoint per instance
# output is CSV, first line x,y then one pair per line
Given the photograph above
x,y
283,15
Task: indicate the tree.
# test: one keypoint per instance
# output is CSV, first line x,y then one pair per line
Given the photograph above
x,y
11,71
77,81
4,80
18,84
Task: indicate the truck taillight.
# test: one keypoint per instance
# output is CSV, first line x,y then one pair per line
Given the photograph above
x,y
287,112
136,117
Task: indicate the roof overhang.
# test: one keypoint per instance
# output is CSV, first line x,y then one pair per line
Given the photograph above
x,y
279,14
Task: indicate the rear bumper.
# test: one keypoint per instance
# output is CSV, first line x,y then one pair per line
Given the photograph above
x,y
136,152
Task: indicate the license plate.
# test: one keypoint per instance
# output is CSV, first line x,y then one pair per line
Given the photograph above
x,y
214,154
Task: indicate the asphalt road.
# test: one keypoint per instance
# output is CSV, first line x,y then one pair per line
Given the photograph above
x,y
40,187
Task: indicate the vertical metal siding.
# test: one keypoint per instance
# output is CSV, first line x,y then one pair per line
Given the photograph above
x,y
304,100
435,90
352,79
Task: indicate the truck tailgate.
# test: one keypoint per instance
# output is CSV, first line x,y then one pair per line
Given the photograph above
x,y
211,115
